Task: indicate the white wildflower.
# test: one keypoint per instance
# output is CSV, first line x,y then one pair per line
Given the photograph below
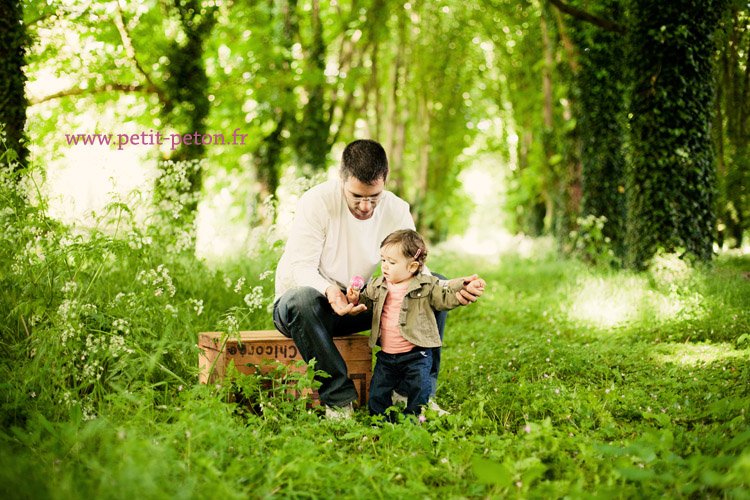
x,y
265,274
69,288
121,325
197,306
232,325
254,299
68,309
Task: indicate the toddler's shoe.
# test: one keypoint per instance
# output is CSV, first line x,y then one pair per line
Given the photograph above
x,y
337,413
397,398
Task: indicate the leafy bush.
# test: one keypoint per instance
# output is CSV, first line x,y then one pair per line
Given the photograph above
x,y
105,311
591,243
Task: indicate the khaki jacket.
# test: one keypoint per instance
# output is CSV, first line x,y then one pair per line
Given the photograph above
x,y
416,319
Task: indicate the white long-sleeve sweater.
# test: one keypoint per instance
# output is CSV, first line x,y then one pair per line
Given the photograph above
x,y
327,245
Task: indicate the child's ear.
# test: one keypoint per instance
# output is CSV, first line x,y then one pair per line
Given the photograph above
x,y
413,267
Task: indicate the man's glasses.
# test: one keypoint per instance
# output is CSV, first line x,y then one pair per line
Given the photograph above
x,y
359,199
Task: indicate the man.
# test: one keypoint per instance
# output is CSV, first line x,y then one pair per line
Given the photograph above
x,y
336,234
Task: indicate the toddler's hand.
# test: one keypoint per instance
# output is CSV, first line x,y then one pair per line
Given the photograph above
x,y
352,295
472,290
478,284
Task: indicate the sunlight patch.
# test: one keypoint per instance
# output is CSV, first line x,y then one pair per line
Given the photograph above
x,y
89,178
615,301
697,354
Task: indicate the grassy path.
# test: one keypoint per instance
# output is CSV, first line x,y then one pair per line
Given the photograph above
x,y
561,382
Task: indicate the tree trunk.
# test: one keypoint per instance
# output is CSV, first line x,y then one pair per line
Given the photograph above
x,y
13,41
601,110
548,121
187,105
547,76
267,157
396,136
672,180
313,136
424,163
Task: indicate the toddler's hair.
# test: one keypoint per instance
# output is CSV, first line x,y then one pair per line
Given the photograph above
x,y
412,245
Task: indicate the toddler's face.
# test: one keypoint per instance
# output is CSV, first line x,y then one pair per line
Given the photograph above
x,y
396,267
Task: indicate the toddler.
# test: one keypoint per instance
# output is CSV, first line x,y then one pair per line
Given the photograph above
x,y
403,322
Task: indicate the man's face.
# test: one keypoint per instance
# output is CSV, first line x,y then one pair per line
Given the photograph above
x,y
362,198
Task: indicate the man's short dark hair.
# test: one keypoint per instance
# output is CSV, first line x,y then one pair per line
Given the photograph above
x,y
365,160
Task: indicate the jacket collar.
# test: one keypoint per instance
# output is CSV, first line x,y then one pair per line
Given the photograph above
x,y
415,283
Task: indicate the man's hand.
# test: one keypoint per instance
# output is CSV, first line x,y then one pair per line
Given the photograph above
x,y
472,290
339,304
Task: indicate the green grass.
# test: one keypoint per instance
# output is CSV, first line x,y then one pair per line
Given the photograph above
x,y
562,382
549,397
631,385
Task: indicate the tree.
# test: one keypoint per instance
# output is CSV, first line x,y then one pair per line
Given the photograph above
x,y
294,69
671,188
13,41
186,87
423,109
600,90
562,138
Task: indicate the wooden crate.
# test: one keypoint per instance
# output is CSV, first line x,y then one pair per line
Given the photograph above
x,y
256,346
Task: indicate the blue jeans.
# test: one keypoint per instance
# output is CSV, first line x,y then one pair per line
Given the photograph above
x,y
304,315
410,371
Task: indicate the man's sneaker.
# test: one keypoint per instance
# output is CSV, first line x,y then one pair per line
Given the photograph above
x,y
397,398
432,405
336,413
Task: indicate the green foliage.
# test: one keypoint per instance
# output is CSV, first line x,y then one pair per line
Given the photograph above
x,y
429,108
591,243
671,187
623,378
730,127
275,392
430,81
515,31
